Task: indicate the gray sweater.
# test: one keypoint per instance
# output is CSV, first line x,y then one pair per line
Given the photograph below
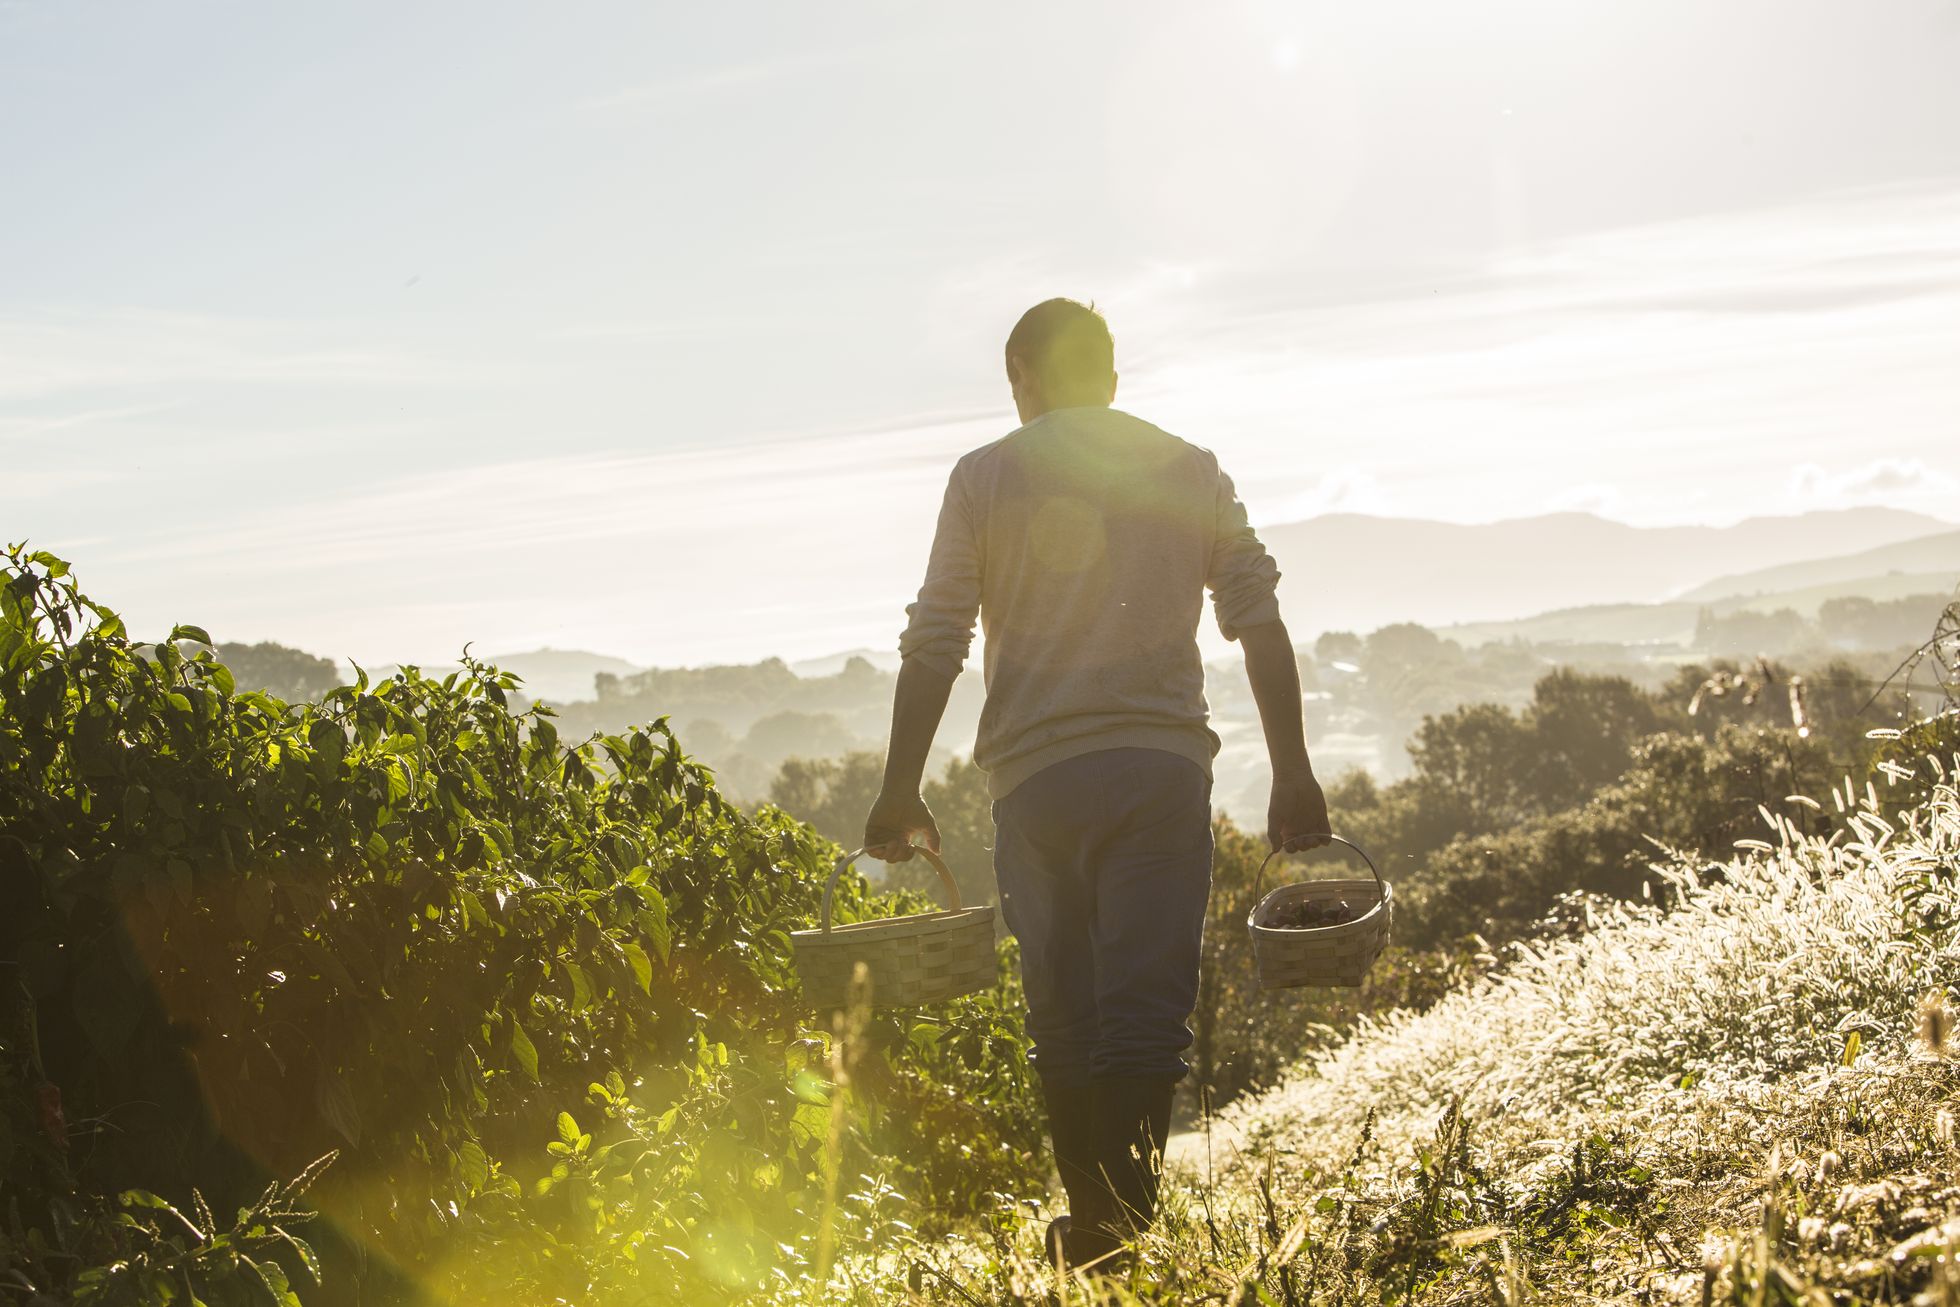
x,y
1085,542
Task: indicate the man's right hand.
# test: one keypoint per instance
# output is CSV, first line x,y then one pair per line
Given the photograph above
x,y
894,820
1297,817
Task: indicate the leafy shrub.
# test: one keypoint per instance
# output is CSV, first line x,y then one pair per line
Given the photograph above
x,y
1682,793
410,927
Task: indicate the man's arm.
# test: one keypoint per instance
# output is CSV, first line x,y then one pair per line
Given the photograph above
x,y
900,811
1244,583
1297,816
937,636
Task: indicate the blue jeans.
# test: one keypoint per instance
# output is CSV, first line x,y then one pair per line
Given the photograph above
x,y
1104,864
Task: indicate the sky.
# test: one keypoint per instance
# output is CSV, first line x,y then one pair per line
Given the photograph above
x,y
379,329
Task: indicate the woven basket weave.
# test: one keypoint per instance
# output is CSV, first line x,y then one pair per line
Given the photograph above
x,y
925,958
1335,957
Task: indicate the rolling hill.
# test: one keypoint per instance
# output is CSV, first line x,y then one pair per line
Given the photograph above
x,y
1927,558
1347,571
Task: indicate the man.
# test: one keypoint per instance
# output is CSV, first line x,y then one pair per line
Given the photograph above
x,y
1085,541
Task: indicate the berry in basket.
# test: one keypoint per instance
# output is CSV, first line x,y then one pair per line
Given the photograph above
x,y
1310,914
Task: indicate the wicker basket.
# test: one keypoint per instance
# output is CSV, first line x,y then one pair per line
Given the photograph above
x,y
926,958
1331,956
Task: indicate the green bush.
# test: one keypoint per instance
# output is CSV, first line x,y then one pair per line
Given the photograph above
x,y
534,999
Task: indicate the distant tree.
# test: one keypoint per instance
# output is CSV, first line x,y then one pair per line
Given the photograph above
x,y
1337,647
1744,633
832,794
965,812
1855,622
705,737
1406,644
797,735
285,673
1583,733
1474,772
1354,790
1309,672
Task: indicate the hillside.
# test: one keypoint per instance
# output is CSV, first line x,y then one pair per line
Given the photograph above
x,y
1754,1056
1347,571
1746,1099
1673,623
1936,556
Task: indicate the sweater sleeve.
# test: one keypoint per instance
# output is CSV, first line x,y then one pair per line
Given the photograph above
x,y
939,631
1243,579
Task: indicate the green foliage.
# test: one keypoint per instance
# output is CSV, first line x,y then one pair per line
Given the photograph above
x,y
1682,793
412,927
1745,633
1858,622
1846,622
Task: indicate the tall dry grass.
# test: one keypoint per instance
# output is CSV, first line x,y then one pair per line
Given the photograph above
x,y
1748,1098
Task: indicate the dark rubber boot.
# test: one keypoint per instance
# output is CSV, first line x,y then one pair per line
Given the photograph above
x,y
1088,1232
1135,1119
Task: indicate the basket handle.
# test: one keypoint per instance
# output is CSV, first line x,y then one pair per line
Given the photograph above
x,y
945,878
1260,879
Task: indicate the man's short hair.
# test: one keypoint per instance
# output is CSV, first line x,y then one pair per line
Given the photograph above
x,y
1063,342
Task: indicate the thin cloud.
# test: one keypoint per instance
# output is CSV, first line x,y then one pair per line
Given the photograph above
x,y
1882,480
726,78
22,428
56,353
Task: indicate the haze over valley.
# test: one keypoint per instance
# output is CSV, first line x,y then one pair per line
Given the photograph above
x,y
1497,605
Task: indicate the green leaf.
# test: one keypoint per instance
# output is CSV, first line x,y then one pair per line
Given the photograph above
x,y
272,1278
307,1257
473,1164
636,957
327,739
653,920
188,632
474,913
523,1049
581,985
568,1130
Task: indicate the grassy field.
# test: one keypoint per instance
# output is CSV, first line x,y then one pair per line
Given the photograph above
x,y
1746,1099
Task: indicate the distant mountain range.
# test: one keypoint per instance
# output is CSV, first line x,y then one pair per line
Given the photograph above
x,y
885,660
1926,557
1346,571
1926,566
1560,577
